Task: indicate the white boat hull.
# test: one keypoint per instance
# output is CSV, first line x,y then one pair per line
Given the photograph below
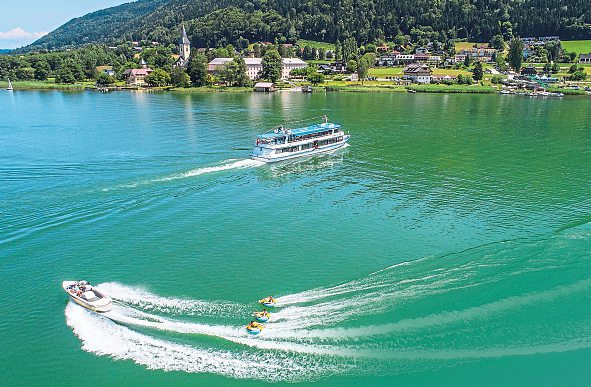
x,y
303,153
101,305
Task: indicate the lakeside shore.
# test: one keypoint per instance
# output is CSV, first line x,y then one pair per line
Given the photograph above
x,y
349,88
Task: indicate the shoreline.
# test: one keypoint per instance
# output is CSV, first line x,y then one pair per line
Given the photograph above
x,y
350,88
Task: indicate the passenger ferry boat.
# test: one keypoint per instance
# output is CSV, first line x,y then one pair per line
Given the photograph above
x,y
283,144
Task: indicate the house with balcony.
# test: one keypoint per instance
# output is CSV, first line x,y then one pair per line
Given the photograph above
x,y
418,73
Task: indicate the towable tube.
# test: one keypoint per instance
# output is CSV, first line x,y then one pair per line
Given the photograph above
x,y
254,329
268,301
262,316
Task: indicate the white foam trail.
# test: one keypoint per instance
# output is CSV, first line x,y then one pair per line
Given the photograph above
x,y
101,336
144,299
375,280
300,317
445,318
478,353
124,316
227,165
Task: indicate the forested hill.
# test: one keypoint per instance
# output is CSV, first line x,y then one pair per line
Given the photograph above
x,y
105,26
218,22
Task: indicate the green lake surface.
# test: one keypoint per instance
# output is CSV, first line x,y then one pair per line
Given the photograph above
x,y
448,244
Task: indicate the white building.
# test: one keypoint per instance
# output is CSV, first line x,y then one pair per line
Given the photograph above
x,y
254,66
291,64
418,73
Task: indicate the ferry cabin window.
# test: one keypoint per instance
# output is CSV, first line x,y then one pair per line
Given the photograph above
x,y
289,149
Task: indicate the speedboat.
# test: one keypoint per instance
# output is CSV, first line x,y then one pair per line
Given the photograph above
x,y
262,316
282,143
254,328
87,296
268,301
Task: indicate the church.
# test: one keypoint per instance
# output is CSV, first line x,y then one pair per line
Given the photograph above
x,y
184,49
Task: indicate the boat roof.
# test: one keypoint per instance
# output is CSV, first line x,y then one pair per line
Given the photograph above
x,y
317,128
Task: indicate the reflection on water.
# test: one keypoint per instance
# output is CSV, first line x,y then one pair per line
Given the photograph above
x,y
301,167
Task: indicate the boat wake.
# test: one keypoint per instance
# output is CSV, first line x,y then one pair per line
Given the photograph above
x,y
425,314
225,166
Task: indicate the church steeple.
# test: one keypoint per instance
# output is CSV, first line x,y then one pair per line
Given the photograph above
x,y
184,44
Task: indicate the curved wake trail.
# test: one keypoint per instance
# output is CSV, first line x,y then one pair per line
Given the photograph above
x,y
281,360
130,317
101,336
411,316
143,299
440,319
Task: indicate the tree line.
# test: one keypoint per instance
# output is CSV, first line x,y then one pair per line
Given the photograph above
x,y
217,23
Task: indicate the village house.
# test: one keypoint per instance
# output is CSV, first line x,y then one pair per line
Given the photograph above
x,y
530,70
254,66
479,54
264,87
106,70
333,68
383,48
418,73
434,60
421,57
442,78
530,43
585,58
136,77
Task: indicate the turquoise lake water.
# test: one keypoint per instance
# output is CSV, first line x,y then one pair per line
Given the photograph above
x,y
449,244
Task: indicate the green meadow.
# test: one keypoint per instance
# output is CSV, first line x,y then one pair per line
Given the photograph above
x,y
578,46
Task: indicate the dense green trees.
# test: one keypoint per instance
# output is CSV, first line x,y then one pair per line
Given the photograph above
x,y
478,72
104,80
352,66
71,66
158,77
179,77
314,77
271,66
42,70
515,55
233,73
198,69
160,57
365,62
213,23
497,42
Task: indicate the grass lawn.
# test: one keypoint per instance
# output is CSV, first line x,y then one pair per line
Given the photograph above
x,y
49,85
578,46
319,61
313,43
357,87
450,72
467,45
383,72
453,89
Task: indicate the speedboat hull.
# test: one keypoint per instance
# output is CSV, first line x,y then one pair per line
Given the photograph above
x,y
87,296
